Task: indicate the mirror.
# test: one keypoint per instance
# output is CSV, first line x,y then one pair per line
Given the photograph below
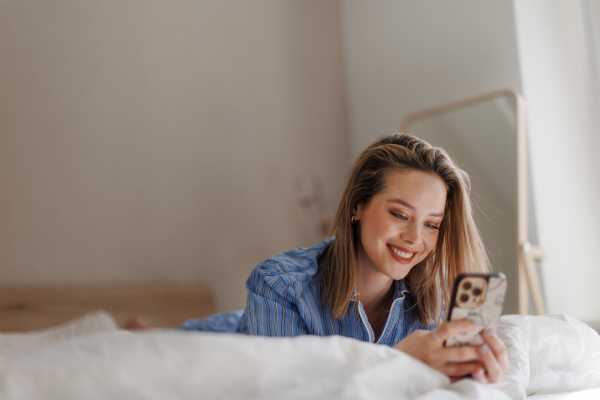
x,y
486,137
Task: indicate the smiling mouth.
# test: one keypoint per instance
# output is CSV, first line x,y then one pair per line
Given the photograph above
x,y
400,253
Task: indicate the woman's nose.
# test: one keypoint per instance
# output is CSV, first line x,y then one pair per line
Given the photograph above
x,y
411,234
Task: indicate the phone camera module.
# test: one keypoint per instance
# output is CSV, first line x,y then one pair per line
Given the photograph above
x,y
471,292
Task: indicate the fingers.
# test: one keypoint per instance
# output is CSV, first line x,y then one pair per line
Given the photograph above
x,y
493,356
479,375
460,354
498,348
449,328
494,371
461,370
455,361
484,363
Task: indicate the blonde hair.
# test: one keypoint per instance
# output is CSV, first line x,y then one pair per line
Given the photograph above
x,y
459,248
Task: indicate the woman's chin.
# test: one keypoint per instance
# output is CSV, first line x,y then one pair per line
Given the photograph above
x,y
399,273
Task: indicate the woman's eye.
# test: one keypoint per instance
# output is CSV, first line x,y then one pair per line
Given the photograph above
x,y
400,216
432,226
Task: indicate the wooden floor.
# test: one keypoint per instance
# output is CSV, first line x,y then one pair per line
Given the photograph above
x,y
30,308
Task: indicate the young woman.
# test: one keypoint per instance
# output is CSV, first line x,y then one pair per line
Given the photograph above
x,y
403,232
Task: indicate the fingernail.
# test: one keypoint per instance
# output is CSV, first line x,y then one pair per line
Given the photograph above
x,y
483,350
478,374
488,332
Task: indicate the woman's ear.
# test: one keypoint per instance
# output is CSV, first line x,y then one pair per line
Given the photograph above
x,y
357,211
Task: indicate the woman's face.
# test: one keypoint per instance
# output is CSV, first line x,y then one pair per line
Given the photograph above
x,y
400,226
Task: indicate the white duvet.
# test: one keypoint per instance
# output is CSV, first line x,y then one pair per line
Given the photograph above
x,y
547,354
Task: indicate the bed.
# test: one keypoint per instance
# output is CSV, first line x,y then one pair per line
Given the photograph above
x,y
551,357
31,308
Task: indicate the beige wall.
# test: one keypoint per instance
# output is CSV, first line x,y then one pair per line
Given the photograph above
x,y
150,141
561,87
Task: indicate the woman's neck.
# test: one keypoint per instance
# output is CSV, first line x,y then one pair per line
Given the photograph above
x,y
374,290
375,296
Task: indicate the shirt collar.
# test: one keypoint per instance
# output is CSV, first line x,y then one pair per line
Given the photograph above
x,y
399,291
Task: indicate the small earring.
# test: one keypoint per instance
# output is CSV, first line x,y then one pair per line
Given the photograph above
x,y
352,220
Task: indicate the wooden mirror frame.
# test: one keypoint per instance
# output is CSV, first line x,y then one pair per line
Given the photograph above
x,y
527,254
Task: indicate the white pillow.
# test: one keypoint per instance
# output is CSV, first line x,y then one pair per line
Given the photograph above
x,y
16,343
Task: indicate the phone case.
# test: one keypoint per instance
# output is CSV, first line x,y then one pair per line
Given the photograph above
x,y
486,315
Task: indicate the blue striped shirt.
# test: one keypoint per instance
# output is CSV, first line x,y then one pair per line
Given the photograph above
x,y
284,299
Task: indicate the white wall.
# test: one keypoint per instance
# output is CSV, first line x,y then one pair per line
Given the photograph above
x,y
564,136
405,56
151,141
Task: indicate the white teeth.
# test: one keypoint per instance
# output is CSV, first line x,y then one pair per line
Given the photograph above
x,y
401,253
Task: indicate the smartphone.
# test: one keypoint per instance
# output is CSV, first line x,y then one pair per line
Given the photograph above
x,y
478,297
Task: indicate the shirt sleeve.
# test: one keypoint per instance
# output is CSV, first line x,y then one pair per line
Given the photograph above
x,y
271,309
223,322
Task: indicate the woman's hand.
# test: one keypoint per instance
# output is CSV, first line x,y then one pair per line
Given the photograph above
x,y
494,358
485,363
454,362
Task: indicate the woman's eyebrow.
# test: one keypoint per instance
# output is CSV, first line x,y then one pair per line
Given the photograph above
x,y
410,206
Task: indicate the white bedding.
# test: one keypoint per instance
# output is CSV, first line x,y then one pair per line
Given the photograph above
x,y
547,354
94,322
